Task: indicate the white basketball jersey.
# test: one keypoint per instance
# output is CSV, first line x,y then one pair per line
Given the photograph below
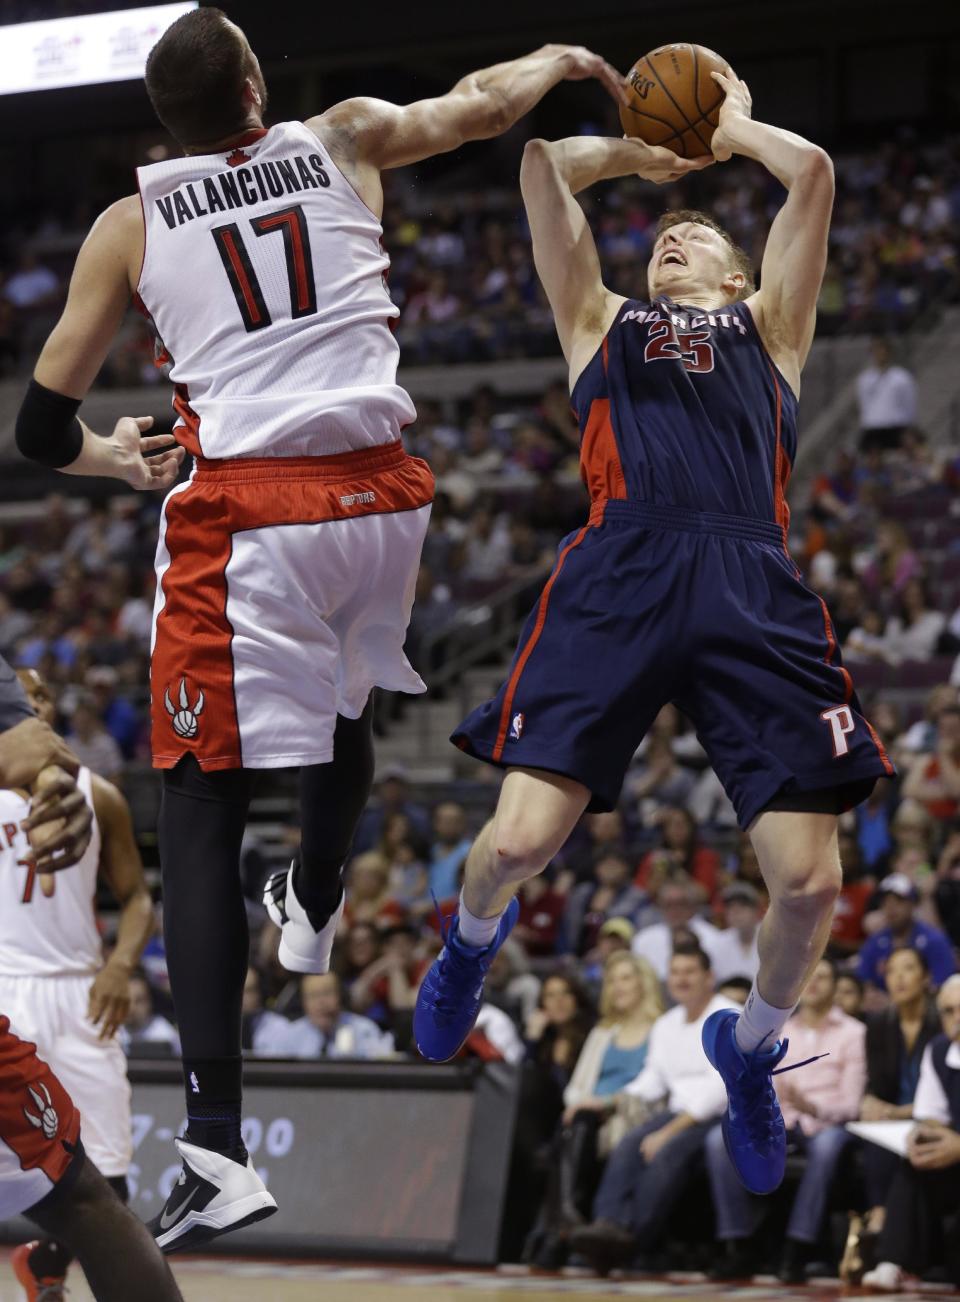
x,y
264,275
46,935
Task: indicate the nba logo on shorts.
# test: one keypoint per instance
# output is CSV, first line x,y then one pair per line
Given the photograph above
x,y
516,727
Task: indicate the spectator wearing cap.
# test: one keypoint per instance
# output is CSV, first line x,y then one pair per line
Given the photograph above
x,y
608,894
816,1103
735,950
678,900
650,1169
924,1199
899,899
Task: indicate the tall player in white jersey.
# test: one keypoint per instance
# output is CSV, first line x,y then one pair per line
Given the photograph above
x,y
287,562
54,984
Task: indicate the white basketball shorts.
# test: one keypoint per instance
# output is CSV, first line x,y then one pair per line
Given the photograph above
x,y
284,590
51,1011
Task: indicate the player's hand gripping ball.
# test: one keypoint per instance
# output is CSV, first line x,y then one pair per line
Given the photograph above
x,y
673,99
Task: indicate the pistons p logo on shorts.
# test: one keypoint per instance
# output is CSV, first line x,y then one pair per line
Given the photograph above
x,y
516,726
841,721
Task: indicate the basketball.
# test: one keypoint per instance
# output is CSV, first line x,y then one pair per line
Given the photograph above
x,y
674,101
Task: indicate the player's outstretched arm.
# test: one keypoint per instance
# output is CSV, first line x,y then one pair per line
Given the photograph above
x,y
122,869
48,430
796,251
480,105
563,247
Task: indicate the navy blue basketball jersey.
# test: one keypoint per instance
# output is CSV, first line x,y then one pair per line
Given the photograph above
x,y
682,407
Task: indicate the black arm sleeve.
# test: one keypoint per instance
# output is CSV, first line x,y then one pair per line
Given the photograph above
x,y
48,430
14,706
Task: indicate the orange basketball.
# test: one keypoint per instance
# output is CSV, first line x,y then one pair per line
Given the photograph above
x,y
673,99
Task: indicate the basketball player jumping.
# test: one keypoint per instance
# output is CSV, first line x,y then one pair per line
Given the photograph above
x,y
679,588
54,985
287,563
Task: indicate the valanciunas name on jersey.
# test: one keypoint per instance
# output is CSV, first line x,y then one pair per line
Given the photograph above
x,y
244,185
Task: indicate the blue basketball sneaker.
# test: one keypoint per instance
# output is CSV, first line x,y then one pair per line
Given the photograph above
x,y
753,1128
452,991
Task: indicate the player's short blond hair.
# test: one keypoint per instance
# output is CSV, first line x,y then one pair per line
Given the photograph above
x,y
741,258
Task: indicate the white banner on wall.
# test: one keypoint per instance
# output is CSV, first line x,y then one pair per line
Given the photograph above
x,y
82,51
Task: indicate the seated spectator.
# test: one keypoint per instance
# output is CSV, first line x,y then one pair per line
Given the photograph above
x,y
556,1029
913,631
386,989
594,835
615,937
922,735
896,1041
659,781
925,1192
887,397
894,562
678,900
449,850
144,1026
849,995
326,1031
265,1034
847,932
368,897
511,986
736,989
495,1037
734,950
934,779
899,898
815,1105
391,796
947,888
596,1112
91,743
679,847
406,855
608,894
649,1170
541,916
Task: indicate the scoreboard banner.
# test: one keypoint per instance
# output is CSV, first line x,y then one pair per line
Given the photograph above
x,y
82,51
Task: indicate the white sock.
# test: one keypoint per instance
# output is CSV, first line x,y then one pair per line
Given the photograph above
x,y
476,932
759,1023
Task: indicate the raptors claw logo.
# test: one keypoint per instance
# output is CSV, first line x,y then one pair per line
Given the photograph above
x,y
185,719
47,1121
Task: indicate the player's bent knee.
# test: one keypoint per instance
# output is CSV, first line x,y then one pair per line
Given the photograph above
x,y
808,887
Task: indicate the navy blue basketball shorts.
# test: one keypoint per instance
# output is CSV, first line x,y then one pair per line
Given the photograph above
x,y
650,604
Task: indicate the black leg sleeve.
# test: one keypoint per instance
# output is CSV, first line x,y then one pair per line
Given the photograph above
x,y
202,817
332,798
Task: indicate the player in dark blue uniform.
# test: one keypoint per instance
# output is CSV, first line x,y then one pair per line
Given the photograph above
x,y
678,588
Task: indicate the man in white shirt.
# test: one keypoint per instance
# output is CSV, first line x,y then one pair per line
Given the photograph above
x,y
734,950
649,1169
677,900
887,397
326,1031
920,1229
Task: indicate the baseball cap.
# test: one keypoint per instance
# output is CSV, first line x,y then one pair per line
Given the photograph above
x,y
899,884
621,927
742,892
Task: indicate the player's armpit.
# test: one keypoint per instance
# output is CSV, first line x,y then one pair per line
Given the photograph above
x,y
103,279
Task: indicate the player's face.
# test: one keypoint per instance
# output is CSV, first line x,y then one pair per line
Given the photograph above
x,y
689,258
38,694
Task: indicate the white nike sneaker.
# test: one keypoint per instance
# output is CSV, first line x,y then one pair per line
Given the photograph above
x,y
301,948
213,1196
885,1278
